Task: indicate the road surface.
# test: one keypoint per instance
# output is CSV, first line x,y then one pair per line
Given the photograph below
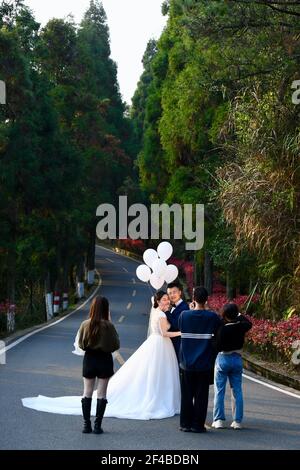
x,y
43,364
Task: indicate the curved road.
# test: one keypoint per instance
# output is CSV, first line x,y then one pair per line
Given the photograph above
x,y
43,364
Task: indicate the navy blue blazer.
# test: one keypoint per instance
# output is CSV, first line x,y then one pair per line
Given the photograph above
x,y
173,320
198,328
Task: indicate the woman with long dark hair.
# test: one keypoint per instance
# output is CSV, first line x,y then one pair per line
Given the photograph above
x,y
98,338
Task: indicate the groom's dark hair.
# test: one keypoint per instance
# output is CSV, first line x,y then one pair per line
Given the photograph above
x,y
200,295
175,284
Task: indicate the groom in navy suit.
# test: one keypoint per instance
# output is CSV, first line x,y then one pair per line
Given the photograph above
x,y
178,306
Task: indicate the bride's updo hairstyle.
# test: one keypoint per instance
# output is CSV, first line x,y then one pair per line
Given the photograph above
x,y
159,295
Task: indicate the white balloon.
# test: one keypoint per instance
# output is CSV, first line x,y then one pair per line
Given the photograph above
x,y
143,273
159,267
165,250
156,282
150,256
171,273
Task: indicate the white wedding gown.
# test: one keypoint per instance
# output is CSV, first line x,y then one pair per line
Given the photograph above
x,y
145,387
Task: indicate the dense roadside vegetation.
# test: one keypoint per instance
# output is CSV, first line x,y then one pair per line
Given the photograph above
x,y
212,121
65,147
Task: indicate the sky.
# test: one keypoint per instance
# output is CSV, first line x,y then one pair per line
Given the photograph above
x,y
131,22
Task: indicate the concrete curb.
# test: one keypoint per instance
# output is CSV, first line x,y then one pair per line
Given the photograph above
x,y
258,367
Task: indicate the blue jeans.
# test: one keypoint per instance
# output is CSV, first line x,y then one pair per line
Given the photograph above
x,y
231,366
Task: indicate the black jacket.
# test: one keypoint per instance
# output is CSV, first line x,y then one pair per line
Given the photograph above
x,y
231,336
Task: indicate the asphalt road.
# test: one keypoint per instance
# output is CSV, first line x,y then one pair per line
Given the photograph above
x,y
43,364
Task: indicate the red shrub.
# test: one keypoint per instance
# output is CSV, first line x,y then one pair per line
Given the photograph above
x,y
7,307
271,336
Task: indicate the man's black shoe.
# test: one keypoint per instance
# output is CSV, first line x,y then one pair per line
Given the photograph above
x,y
199,430
185,429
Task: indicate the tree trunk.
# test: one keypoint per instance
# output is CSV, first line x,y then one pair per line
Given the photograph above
x,y
11,307
57,295
208,272
58,280
48,298
243,286
230,285
91,259
11,291
80,278
65,289
72,280
199,275
31,298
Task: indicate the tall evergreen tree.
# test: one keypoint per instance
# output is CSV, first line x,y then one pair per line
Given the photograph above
x,y
63,142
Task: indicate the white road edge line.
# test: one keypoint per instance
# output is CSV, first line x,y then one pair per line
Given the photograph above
x,y
110,260
126,271
121,319
20,340
134,293
271,386
129,306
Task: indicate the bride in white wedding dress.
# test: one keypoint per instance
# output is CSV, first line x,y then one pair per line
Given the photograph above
x,y
145,387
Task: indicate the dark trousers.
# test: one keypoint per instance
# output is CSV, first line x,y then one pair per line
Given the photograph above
x,y
194,398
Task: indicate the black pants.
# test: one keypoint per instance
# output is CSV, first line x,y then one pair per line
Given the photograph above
x,y
194,398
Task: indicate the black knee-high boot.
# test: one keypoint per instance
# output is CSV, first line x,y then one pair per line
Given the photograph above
x,y
86,411
101,405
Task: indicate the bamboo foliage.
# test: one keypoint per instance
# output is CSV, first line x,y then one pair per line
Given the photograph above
x,y
259,193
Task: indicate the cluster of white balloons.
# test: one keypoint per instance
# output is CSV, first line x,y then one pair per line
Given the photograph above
x,y
155,269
